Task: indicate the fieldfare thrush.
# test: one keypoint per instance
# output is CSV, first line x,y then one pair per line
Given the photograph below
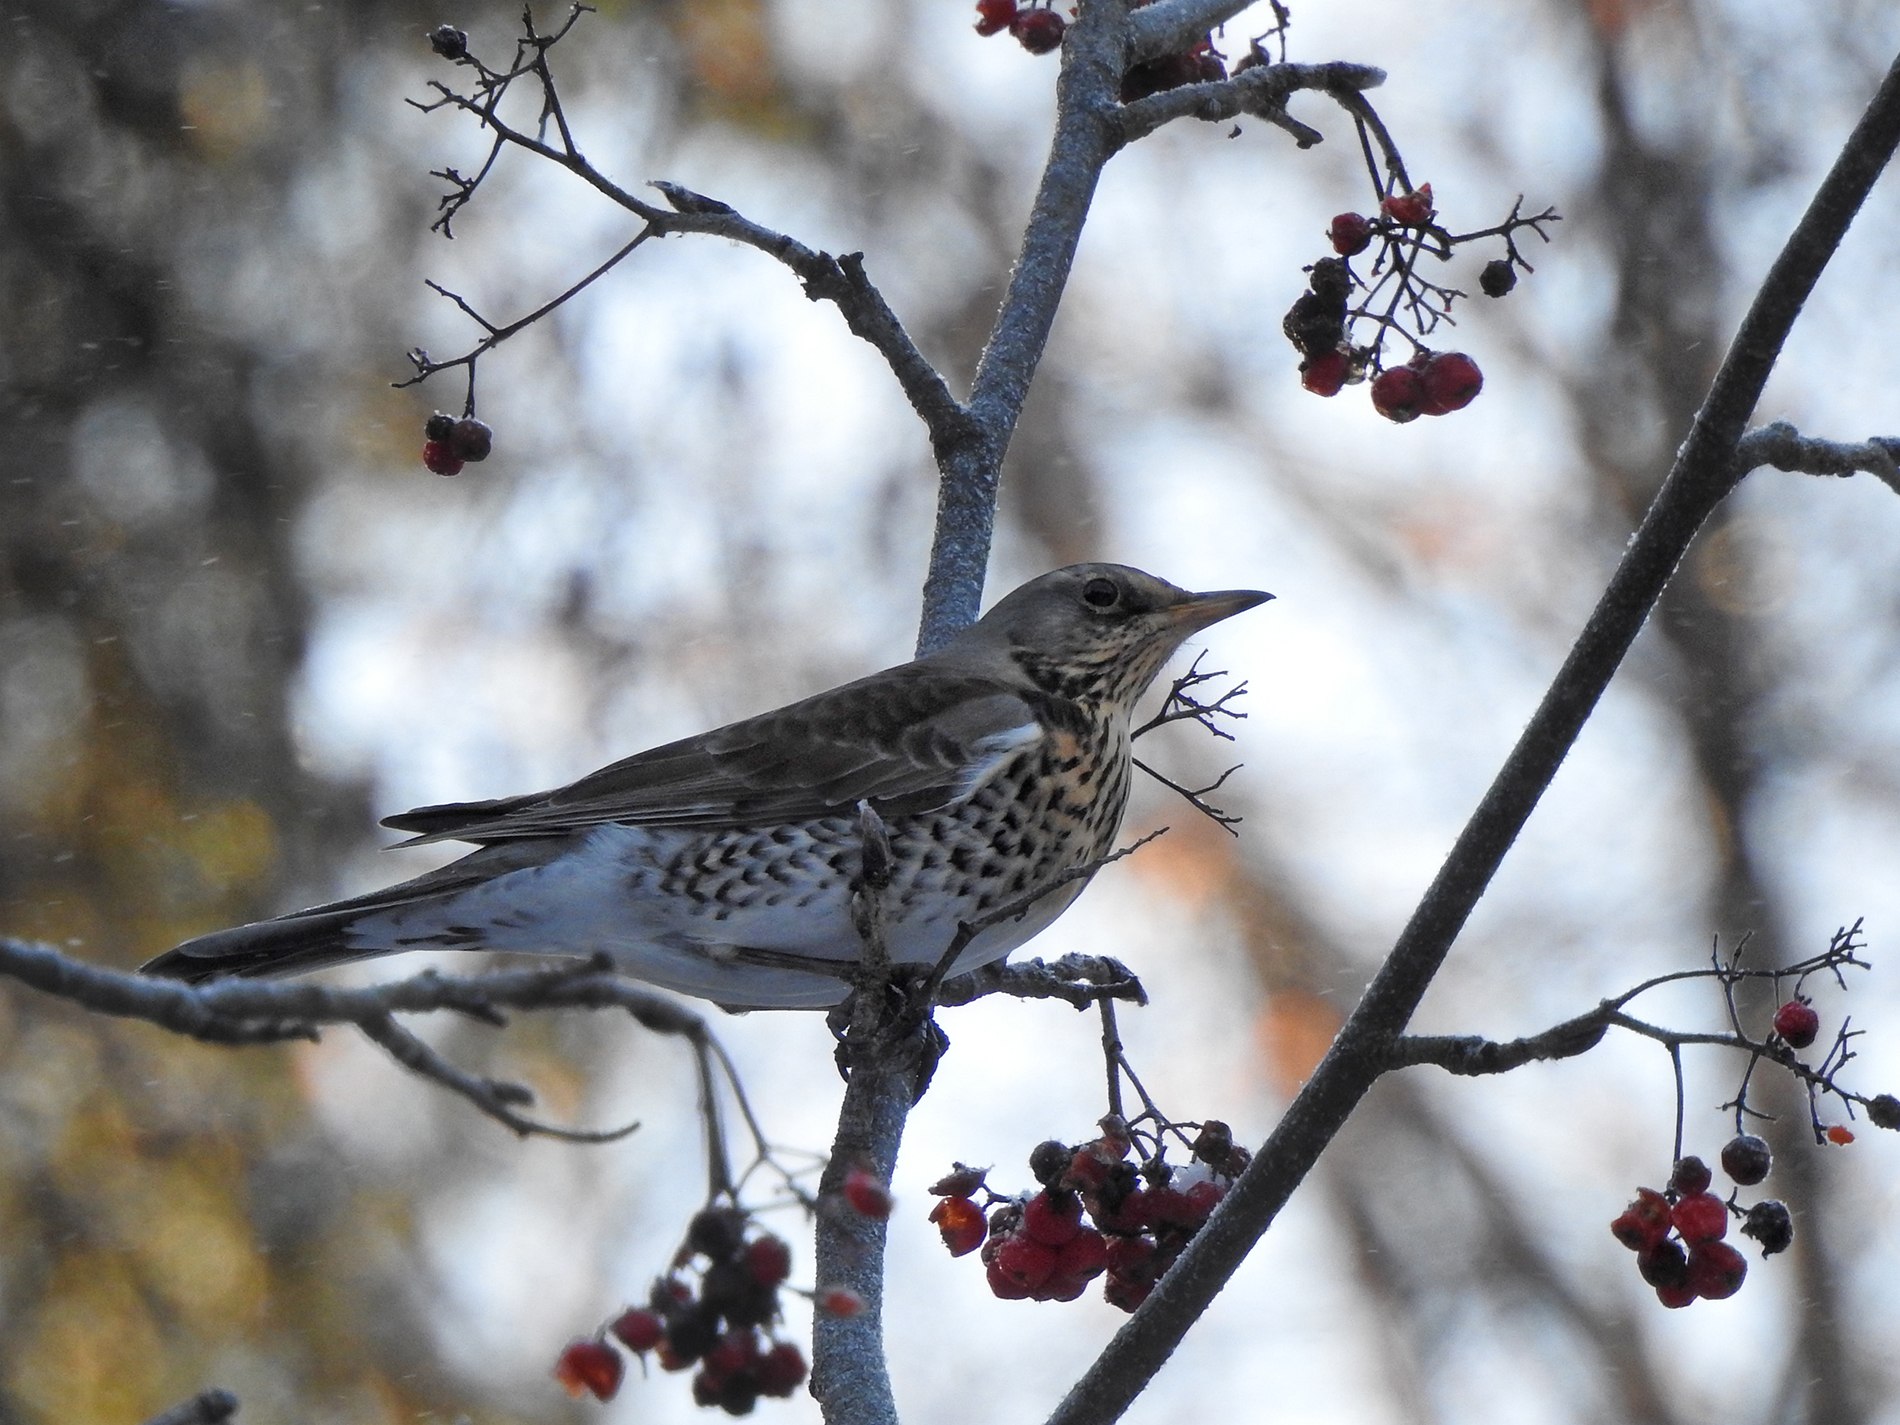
x,y
724,865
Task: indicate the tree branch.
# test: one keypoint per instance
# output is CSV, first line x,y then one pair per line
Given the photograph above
x,y
1261,91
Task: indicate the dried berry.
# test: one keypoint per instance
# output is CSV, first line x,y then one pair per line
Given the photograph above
x,y
439,426
1664,1264
768,1260
449,42
1770,1224
1883,1111
1497,278
1412,210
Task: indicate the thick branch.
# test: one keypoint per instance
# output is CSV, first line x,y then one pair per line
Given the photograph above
x,y
1171,26
1084,140
1261,91
1702,475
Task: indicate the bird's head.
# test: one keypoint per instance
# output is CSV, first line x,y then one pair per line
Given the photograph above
x,y
1098,632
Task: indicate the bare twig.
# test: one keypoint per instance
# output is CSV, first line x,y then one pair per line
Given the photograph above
x,y
1779,444
1079,980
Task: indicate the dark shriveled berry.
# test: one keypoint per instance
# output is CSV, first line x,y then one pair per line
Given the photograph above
x,y
1746,1159
1664,1264
449,42
1769,1224
1883,1111
1691,1175
1498,277
439,426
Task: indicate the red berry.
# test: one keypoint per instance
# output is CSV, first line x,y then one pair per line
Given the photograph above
x,y
1645,1222
734,1354
1397,394
638,1329
1700,1217
1052,1218
1038,31
1351,233
1677,1295
993,16
1003,1286
866,1193
769,1260
1325,373
439,458
781,1370
1840,1135
1449,381
1716,1270
1746,1159
1412,210
1797,1023
1203,1198
1664,1264
1024,1261
1084,1256
839,1301
590,1367
1691,1175
961,1222
470,439
1087,1170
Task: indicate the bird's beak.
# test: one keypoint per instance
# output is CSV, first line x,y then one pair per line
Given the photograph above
x,y
1198,611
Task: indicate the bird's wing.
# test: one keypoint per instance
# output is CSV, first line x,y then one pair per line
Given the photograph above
x,y
907,740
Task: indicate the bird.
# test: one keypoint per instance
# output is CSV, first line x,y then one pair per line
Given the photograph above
x,y
994,773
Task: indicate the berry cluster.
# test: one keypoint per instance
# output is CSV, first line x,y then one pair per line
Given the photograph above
x,y
1394,297
1677,1233
1098,1212
1037,28
720,1327
448,444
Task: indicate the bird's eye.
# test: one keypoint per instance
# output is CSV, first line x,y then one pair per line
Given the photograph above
x,y
1101,594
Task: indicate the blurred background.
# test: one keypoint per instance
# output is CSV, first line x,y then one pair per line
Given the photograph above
x,y
238,621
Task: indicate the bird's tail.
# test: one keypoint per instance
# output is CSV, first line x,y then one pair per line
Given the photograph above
x,y
327,934
289,945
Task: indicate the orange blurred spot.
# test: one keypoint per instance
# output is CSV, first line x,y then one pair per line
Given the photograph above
x,y
1295,1030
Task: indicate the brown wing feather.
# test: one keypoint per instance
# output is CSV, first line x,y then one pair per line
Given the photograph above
x,y
907,740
